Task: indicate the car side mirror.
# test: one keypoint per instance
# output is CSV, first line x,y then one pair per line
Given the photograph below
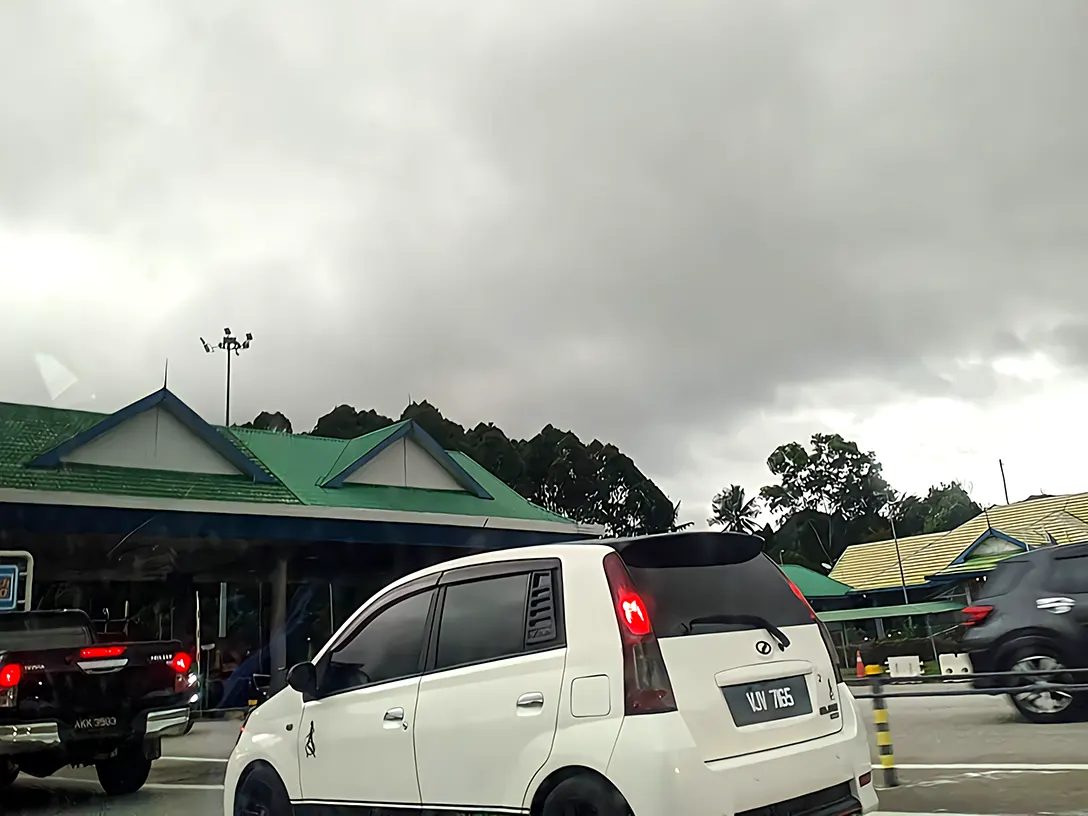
x,y
303,678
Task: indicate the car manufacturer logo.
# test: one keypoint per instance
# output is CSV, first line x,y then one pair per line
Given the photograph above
x,y
763,647
1059,606
95,722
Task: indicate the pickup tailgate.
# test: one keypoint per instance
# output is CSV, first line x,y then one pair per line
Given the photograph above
x,y
98,688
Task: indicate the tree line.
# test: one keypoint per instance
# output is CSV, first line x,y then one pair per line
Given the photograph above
x,y
822,497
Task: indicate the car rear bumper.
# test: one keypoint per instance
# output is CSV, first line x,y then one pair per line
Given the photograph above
x,y
23,738
658,768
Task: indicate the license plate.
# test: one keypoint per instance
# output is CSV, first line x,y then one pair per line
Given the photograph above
x,y
768,701
95,723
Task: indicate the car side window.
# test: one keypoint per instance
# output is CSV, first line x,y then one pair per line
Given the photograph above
x,y
483,620
1070,575
389,646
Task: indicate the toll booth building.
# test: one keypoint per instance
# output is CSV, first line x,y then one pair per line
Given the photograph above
x,y
249,546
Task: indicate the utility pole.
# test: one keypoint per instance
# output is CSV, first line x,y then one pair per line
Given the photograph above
x,y
233,347
1004,484
898,556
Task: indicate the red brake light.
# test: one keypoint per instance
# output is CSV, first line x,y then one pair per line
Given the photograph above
x,y
646,685
98,652
632,612
10,676
181,663
974,615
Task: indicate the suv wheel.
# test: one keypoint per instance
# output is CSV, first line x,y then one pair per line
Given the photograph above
x,y
1040,665
584,796
8,772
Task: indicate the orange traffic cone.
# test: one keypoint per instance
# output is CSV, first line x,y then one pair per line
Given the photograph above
x,y
860,665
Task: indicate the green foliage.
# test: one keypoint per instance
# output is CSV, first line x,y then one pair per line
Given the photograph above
x,y
834,494
944,507
265,421
592,483
734,512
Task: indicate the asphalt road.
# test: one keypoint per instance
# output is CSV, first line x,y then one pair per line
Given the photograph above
x,y
956,756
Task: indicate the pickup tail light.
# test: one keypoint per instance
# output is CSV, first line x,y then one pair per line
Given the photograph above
x,y
10,677
101,652
974,615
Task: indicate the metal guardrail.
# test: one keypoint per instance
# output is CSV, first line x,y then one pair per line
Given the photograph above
x,y
876,681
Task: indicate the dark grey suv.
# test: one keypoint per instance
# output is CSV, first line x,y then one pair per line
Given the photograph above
x,y
1032,617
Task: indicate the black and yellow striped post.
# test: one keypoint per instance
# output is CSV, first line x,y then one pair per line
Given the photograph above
x,y
883,733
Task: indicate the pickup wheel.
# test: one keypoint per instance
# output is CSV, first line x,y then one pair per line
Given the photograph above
x,y
8,772
124,773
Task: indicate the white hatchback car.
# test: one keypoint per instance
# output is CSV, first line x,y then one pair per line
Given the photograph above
x,y
672,674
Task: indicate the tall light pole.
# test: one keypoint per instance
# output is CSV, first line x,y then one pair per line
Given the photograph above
x,y
898,555
233,347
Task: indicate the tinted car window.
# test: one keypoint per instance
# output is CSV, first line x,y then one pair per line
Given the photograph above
x,y
1004,578
43,631
1069,575
482,620
388,647
677,595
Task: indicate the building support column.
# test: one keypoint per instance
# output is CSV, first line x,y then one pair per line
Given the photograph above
x,y
278,639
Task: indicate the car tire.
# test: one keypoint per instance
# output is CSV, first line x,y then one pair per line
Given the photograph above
x,y
9,772
1028,708
262,794
125,773
584,794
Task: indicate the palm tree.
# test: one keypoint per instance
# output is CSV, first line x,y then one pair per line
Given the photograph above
x,y
733,513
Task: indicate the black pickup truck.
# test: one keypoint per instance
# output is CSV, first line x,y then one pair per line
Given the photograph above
x,y
67,700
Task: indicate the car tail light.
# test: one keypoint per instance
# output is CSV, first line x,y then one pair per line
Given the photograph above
x,y
974,615
646,685
99,652
181,663
10,676
825,635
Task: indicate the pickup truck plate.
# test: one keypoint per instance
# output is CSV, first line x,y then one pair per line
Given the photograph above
x,y
90,723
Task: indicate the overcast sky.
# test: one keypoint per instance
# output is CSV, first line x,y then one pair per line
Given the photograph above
x,y
694,229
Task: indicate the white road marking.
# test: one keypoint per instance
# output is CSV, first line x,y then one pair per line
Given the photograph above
x,y
219,760
163,786
991,766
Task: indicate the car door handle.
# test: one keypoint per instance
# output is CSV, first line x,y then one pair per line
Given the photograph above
x,y
394,715
534,699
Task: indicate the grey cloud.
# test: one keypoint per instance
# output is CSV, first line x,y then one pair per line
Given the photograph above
x,y
640,220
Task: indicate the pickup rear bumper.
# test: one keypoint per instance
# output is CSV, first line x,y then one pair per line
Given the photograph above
x,y
23,738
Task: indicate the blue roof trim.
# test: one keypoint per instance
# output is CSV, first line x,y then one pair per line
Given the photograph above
x,y
181,412
990,532
410,430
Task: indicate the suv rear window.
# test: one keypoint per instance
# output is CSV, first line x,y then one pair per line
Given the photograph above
x,y
1004,578
677,595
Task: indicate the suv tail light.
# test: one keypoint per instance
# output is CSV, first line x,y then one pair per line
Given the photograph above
x,y
829,644
974,615
646,685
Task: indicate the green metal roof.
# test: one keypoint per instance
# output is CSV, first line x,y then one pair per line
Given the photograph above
x,y
300,463
812,584
897,611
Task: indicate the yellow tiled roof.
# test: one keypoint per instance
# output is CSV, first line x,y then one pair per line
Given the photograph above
x,y
874,565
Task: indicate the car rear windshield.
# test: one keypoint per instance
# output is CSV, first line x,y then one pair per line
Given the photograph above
x,y
677,595
19,632
1004,578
